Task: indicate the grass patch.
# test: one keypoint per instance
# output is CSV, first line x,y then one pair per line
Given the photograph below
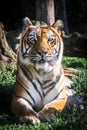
x,y
72,119
7,76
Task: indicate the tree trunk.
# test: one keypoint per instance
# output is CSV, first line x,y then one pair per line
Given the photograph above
x,y
45,11
6,53
60,7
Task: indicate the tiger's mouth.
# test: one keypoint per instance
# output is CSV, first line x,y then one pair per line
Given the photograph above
x,y
38,60
42,61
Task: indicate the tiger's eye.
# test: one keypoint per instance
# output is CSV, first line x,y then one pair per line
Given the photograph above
x,y
32,39
32,36
51,39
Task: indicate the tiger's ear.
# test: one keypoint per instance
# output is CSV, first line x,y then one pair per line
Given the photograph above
x,y
26,22
58,25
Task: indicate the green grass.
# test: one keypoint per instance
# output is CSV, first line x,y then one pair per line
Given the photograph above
x,y
72,119
7,76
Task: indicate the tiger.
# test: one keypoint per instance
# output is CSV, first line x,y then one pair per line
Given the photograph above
x,y
41,83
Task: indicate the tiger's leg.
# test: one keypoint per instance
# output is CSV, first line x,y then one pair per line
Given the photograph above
x,y
24,111
47,113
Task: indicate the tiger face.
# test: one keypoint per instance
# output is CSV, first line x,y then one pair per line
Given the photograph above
x,y
41,46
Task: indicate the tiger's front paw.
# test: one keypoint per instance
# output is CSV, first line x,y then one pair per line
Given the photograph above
x,y
29,119
47,115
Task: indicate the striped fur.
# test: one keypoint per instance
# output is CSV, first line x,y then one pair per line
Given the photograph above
x,y
40,85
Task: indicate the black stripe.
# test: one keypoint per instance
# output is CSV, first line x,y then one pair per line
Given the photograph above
x,y
55,82
30,78
23,98
52,85
37,89
59,50
27,75
49,85
43,94
21,84
47,81
56,96
22,46
49,90
39,82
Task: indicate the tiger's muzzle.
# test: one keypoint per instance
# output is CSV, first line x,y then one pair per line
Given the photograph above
x,y
41,59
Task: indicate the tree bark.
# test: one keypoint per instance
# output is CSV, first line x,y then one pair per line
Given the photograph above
x,y
45,11
6,53
60,7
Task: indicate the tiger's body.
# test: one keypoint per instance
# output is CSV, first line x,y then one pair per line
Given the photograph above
x,y
40,84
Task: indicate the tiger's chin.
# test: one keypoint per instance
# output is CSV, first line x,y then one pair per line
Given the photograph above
x,y
45,66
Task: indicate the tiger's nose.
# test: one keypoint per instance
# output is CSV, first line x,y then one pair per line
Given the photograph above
x,y
42,51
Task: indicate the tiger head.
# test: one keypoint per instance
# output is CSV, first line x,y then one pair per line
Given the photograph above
x,y
41,45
